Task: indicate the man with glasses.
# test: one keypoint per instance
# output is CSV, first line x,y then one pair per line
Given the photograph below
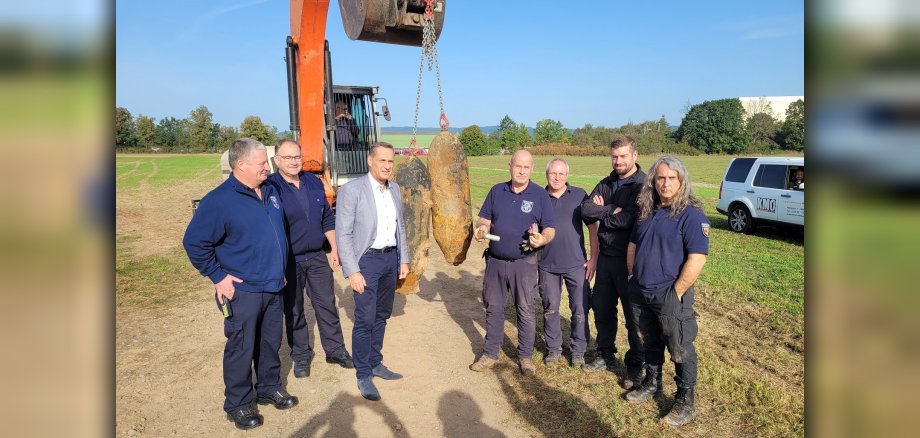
x,y
237,239
311,223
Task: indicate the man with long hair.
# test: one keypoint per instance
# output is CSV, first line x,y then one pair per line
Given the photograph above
x,y
666,253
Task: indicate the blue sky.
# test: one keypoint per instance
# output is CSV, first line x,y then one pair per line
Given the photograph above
x,y
604,63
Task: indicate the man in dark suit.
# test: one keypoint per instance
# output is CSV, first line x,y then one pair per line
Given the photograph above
x,y
373,253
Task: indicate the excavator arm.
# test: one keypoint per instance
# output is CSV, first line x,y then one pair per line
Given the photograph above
x,y
309,70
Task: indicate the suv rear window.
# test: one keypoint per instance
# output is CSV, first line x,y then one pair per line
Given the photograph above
x,y
739,169
771,176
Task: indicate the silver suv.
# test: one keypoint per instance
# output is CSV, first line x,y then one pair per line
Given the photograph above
x,y
763,190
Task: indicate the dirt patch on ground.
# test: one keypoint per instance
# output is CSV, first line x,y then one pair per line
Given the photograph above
x,y
168,371
157,216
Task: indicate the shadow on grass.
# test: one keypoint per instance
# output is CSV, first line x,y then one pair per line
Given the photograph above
x,y
551,411
787,233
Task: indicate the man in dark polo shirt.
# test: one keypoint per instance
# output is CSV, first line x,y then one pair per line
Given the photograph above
x,y
666,253
613,205
311,222
564,260
519,212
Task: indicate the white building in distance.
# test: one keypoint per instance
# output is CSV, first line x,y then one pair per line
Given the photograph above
x,y
774,105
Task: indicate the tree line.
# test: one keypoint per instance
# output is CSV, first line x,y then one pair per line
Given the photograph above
x,y
711,127
197,133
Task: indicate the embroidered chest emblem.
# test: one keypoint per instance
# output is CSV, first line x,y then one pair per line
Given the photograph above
x,y
274,201
526,206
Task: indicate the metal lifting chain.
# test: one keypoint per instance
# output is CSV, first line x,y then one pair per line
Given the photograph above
x,y
430,51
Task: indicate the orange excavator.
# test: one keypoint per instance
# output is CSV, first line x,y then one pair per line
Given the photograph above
x,y
335,125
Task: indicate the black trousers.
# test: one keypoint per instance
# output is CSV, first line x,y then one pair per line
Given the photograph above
x,y
315,275
253,339
610,285
666,321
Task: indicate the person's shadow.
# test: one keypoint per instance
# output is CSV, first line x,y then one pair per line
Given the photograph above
x,y
533,399
339,418
462,298
461,417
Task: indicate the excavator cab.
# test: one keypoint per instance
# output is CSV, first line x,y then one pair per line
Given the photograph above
x,y
355,114
313,99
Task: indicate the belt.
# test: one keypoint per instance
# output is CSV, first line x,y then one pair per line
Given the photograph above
x,y
381,250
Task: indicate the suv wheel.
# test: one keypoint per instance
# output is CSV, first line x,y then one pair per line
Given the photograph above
x,y
739,219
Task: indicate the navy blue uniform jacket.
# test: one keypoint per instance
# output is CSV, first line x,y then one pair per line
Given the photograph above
x,y
234,232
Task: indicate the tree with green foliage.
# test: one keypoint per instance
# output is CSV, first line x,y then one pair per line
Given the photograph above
x,y
506,124
253,127
146,131
226,135
550,131
762,131
715,127
172,133
793,128
510,135
590,135
201,130
125,131
473,141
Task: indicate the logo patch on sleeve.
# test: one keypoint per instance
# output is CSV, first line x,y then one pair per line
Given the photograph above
x,y
706,230
274,201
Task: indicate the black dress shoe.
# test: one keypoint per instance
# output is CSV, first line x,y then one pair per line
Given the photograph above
x,y
245,419
280,398
342,359
302,368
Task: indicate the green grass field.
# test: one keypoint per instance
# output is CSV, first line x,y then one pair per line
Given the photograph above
x,y
402,140
750,298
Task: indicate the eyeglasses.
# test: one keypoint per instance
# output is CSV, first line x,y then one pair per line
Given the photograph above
x,y
290,157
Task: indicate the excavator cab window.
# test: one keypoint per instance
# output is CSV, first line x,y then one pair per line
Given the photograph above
x,y
355,128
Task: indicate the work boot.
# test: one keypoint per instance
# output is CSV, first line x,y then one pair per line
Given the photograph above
x,y
651,386
527,367
578,360
552,358
682,411
484,363
633,377
602,362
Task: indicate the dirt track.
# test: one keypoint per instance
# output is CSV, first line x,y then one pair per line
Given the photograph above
x,y
169,370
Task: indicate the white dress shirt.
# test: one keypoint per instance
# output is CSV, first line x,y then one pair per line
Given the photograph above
x,y
386,215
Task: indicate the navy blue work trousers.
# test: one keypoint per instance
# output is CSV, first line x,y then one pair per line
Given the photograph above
x,y
253,339
314,275
551,294
610,285
372,309
519,277
666,321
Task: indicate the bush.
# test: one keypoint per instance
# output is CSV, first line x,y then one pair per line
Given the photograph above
x,y
680,148
559,149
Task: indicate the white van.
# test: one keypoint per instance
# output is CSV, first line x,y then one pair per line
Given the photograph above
x,y
763,190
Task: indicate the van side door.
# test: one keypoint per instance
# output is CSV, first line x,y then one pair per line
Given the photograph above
x,y
769,185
